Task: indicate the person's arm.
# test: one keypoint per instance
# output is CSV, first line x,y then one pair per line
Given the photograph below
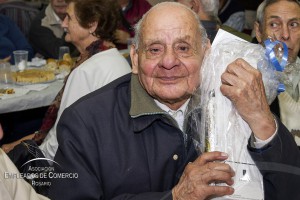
x,y
278,160
279,163
18,38
10,146
7,59
243,85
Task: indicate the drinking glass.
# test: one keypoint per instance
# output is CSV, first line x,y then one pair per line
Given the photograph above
x,y
21,58
5,73
62,51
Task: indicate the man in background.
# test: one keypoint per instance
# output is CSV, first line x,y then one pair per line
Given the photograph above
x,y
46,34
280,20
207,10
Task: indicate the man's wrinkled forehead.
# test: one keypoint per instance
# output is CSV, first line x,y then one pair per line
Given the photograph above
x,y
170,35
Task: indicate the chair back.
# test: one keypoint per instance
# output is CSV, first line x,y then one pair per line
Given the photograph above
x,y
21,13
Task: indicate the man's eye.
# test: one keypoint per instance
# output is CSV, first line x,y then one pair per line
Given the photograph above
x,y
154,50
274,25
294,24
183,48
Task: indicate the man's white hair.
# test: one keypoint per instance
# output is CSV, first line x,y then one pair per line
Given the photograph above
x,y
138,26
211,7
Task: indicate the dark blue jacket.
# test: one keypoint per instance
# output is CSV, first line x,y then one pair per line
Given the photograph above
x,y
124,147
11,39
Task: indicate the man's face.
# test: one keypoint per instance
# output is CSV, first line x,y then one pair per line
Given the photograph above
x,y
59,7
170,55
282,22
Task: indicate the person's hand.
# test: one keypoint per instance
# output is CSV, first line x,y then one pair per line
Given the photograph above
x,y
196,182
122,36
8,147
5,59
243,85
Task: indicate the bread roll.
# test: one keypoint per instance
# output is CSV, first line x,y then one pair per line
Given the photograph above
x,y
51,64
64,66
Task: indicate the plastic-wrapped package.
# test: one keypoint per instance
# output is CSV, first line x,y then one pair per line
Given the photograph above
x,y
221,127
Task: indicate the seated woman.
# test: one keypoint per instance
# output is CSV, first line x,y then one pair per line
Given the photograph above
x,y
11,39
90,25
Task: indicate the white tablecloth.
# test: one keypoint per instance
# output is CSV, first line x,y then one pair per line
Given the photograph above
x,y
28,97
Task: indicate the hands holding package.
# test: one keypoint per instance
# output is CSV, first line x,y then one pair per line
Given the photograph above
x,y
243,85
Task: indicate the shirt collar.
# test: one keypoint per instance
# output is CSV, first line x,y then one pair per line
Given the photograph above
x,y
182,109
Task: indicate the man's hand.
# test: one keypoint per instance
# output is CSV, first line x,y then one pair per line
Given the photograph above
x,y
243,85
195,181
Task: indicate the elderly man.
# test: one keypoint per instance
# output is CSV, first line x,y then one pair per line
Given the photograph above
x,y
132,139
46,34
281,20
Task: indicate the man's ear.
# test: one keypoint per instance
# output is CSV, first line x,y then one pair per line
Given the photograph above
x,y
258,34
195,5
134,59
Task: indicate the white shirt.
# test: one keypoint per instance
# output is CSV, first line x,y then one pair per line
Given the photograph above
x,y
178,115
94,73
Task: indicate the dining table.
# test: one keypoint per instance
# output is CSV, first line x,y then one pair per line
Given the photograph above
x,y
29,96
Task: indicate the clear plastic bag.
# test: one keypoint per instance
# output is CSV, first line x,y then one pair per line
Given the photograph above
x,y
221,127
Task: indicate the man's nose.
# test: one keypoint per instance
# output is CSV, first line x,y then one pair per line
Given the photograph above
x,y
285,33
64,22
169,59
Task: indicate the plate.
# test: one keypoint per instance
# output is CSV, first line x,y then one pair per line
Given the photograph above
x,y
18,92
45,82
33,76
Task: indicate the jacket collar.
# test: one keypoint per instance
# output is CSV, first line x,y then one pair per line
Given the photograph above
x,y
143,105
141,102
53,19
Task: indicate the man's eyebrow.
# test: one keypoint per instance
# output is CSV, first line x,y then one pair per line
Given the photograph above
x,y
152,41
273,17
278,17
149,42
295,19
183,39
